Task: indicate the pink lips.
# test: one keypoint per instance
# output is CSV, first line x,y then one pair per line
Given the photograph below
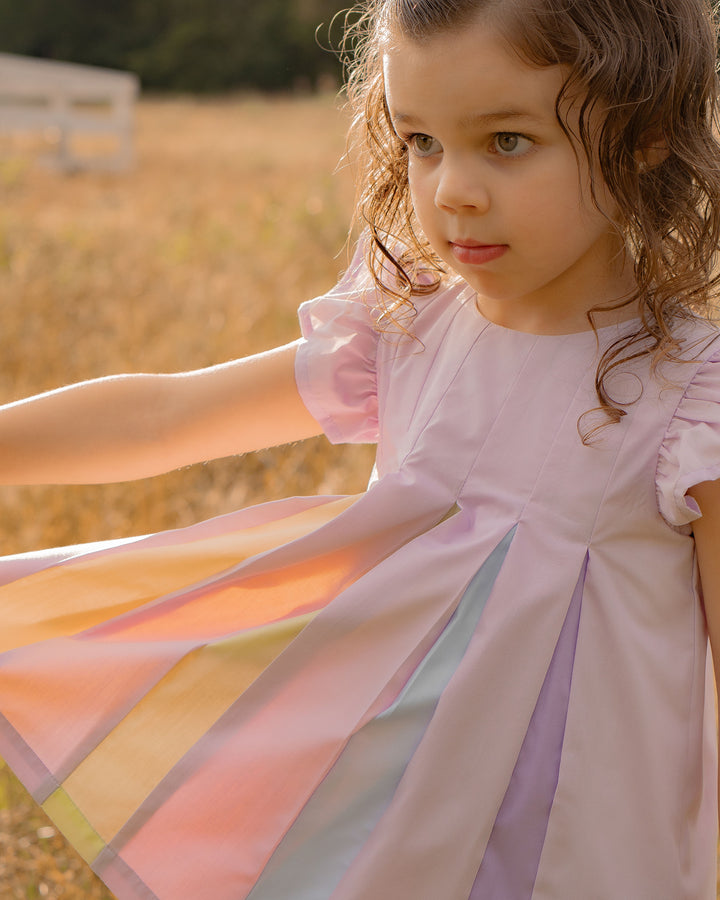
x,y
471,254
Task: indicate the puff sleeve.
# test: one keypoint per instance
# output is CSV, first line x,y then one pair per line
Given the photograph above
x,y
335,365
690,452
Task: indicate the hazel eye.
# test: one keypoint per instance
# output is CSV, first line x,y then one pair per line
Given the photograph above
x,y
508,143
424,145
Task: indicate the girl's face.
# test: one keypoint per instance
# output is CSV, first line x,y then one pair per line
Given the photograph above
x,y
497,186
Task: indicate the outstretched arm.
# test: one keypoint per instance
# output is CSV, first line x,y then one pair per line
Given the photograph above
x,y
707,540
133,426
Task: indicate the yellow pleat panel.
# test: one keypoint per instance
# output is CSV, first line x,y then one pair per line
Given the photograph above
x,y
16,636
64,600
120,773
74,825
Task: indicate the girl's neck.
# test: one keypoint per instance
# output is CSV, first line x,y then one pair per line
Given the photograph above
x,y
601,283
599,312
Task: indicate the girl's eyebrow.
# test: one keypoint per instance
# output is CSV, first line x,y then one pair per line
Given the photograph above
x,y
476,119
501,115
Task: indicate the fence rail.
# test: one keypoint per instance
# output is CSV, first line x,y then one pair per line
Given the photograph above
x,y
64,101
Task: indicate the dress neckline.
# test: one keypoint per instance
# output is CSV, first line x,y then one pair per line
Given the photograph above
x,y
468,297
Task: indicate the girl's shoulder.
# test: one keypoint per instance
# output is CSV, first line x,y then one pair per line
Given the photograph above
x,y
690,450
698,338
351,349
358,304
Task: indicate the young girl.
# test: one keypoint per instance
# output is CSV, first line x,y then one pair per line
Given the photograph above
x,y
485,678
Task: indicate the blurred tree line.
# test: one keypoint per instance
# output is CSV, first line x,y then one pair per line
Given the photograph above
x,y
183,45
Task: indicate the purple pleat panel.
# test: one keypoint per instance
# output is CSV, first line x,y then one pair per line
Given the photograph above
x,y
512,857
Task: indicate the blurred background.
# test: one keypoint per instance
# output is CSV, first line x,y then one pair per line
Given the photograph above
x,y
233,211
183,45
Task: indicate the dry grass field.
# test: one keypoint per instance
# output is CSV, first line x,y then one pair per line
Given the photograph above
x,y
231,217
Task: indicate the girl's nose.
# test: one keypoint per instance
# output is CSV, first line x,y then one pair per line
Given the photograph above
x,y
461,187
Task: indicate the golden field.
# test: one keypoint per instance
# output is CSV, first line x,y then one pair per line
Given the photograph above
x,y
233,214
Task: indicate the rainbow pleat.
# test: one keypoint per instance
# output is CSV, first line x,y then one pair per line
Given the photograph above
x,y
203,719
115,662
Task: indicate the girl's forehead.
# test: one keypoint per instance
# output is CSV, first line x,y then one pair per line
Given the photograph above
x,y
469,72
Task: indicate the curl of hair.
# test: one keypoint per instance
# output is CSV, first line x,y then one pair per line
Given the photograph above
x,y
649,68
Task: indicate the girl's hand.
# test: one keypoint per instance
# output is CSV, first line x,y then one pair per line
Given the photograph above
x,y
133,426
707,540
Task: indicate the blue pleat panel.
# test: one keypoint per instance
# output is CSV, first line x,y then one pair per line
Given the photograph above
x,y
345,808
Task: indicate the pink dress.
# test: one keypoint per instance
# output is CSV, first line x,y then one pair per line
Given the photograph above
x,y
484,679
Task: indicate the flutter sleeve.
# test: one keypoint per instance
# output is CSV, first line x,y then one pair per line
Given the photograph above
x,y
690,452
335,365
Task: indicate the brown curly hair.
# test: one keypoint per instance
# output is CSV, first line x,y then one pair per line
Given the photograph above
x,y
650,66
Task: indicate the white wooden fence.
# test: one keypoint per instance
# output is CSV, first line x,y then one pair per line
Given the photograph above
x,y
64,101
